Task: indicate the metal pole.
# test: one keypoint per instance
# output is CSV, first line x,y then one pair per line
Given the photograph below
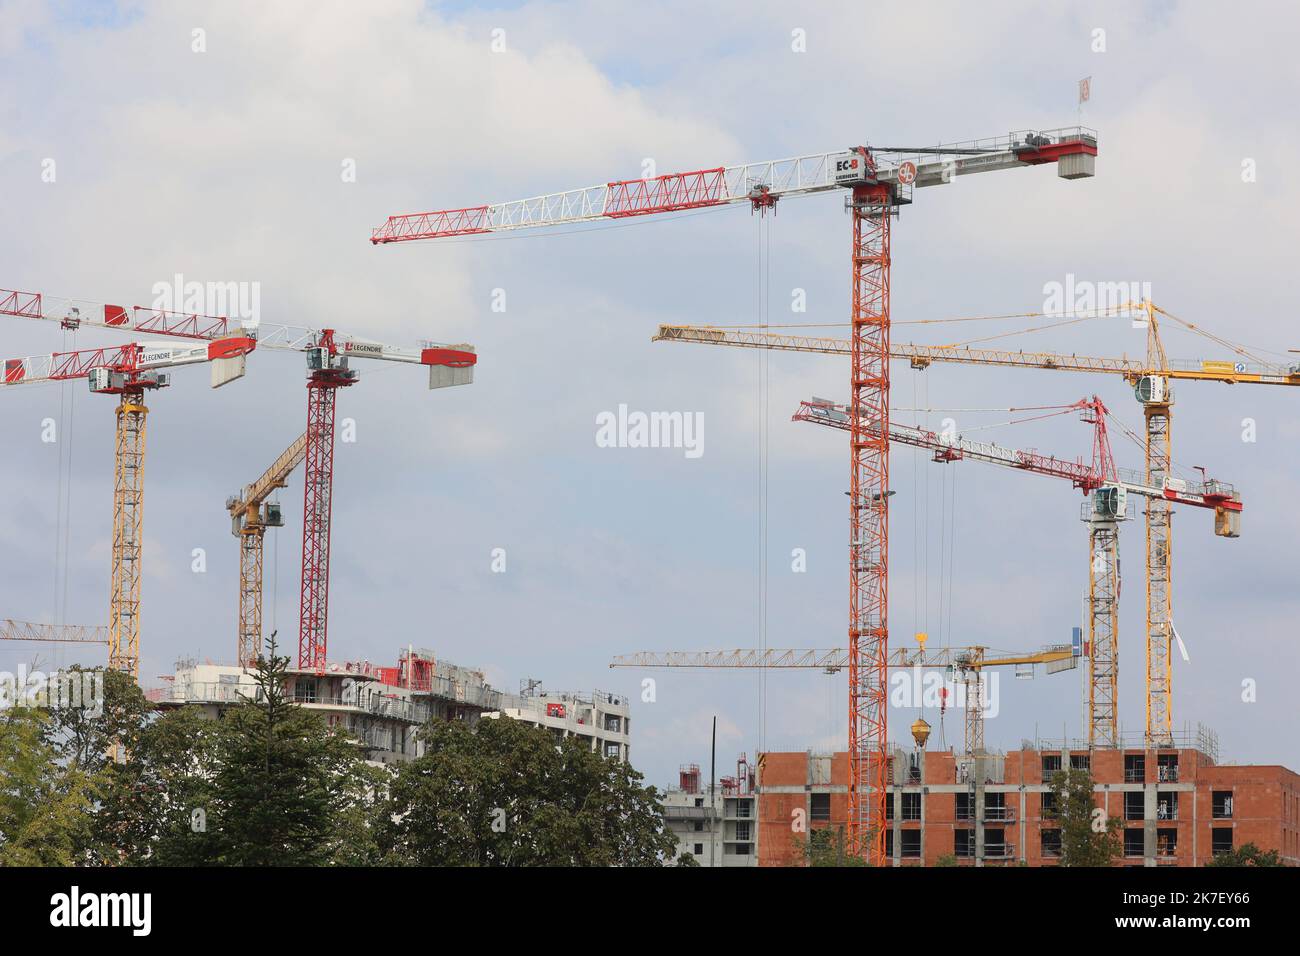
x,y
713,760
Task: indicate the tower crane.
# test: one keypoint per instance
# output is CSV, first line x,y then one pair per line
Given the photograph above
x,y
129,371
966,663
328,354
1107,489
251,514
879,181
11,630
1151,378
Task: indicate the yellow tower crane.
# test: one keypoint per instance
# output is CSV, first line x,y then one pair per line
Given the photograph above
x,y
11,630
128,372
1150,378
966,663
251,514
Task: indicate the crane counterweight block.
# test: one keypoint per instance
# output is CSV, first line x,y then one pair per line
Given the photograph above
x,y
449,366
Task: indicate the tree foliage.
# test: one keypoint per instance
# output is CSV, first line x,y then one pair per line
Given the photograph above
x,y
1248,854
282,781
507,794
1087,837
45,804
827,846
270,784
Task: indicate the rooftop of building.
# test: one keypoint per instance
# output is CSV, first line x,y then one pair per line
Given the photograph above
x,y
418,674
534,697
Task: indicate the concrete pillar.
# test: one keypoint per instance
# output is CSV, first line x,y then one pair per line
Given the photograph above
x,y
1021,823
897,797
1149,824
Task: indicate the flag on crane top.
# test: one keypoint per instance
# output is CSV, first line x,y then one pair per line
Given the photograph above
x,y
1085,89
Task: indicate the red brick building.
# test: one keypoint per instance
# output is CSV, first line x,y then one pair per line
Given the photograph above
x,y
1177,806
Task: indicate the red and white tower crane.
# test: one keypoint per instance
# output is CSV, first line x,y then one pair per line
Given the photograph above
x,y
1107,488
328,356
879,180
328,370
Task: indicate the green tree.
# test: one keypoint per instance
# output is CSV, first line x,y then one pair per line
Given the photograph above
x,y
826,846
84,735
45,804
1248,854
948,859
1087,839
155,810
284,784
506,794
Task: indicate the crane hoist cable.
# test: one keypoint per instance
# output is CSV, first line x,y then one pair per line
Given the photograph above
x,y
763,411
952,546
925,605
63,507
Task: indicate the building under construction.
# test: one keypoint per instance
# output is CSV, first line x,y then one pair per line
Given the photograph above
x,y
1179,806
598,720
716,823
383,707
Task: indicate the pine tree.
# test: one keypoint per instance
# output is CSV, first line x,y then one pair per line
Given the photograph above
x,y
284,782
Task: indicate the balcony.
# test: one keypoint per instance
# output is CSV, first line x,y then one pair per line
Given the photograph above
x,y
688,813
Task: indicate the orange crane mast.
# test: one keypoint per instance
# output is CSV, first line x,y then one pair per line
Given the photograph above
x,y
878,181
1150,377
251,514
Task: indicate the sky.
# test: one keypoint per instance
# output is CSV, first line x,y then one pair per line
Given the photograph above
x,y
260,143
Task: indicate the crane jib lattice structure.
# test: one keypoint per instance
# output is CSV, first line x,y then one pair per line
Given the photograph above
x,y
878,180
966,663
